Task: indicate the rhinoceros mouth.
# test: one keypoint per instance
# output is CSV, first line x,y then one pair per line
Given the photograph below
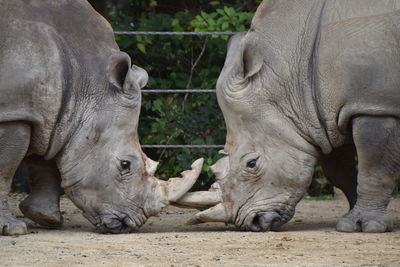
x,y
114,224
118,226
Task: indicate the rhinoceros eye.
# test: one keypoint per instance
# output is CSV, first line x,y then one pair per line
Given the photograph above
x,y
125,166
251,164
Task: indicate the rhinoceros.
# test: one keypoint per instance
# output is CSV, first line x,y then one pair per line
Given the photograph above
x,y
312,80
69,106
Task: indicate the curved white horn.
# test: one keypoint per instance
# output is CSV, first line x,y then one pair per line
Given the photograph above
x,y
175,187
217,213
151,166
220,168
200,199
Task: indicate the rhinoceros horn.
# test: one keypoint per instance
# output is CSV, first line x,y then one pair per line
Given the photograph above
x,y
175,188
151,166
217,213
201,199
210,200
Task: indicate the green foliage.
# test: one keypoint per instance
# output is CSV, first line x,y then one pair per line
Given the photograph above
x,y
224,19
320,197
181,62
320,185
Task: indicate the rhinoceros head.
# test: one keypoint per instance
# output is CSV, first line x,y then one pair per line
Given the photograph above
x,y
267,164
103,168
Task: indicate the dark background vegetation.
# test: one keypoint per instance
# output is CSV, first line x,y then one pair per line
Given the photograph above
x,y
179,62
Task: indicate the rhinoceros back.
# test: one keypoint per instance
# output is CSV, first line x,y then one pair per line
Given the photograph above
x,y
359,63
338,10
46,50
343,48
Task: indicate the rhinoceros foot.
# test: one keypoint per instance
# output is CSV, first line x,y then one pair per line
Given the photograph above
x,y
41,211
369,222
9,225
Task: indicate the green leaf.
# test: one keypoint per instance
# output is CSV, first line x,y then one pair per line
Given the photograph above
x,y
141,47
229,11
221,12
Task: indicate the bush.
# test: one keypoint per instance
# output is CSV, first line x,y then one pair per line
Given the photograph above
x,y
181,62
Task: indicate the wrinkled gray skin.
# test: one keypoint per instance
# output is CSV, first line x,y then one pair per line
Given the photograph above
x,y
311,80
69,105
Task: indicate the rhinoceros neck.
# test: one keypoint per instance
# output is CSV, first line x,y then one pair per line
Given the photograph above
x,y
83,89
291,30
70,109
83,72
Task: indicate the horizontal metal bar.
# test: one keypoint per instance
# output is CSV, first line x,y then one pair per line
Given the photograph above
x,y
182,146
174,33
172,91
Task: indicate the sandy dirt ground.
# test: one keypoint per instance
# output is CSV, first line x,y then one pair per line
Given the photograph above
x,y
308,240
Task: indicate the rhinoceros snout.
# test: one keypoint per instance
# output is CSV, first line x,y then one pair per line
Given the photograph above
x,y
265,221
113,224
116,225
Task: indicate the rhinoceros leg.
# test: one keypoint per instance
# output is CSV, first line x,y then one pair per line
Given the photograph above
x,y
378,151
43,203
14,143
340,168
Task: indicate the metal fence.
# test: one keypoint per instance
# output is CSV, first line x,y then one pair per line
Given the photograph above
x,y
176,33
174,91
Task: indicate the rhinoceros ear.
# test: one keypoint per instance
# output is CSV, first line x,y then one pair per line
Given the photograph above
x,y
252,59
118,69
123,77
140,76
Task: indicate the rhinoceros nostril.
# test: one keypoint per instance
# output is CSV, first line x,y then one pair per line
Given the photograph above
x,y
121,229
276,222
264,221
259,224
130,225
116,224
